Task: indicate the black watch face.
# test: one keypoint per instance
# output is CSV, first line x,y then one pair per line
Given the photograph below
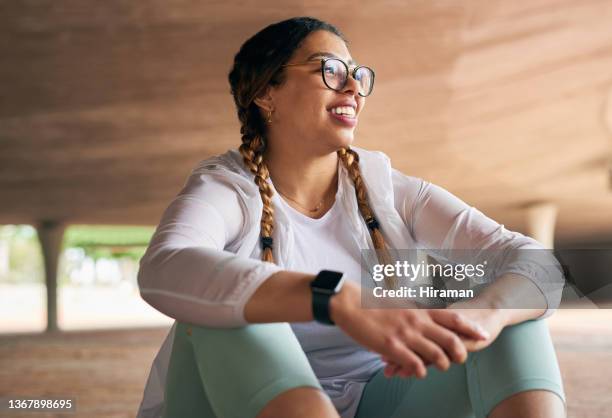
x,y
328,280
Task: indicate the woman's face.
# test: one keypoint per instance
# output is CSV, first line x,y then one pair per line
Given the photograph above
x,y
303,104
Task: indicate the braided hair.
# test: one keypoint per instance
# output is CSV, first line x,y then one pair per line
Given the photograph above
x,y
257,65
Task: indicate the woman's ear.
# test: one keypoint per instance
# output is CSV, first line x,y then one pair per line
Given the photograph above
x,y
264,100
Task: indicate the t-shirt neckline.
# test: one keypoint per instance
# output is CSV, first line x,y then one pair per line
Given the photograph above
x,y
331,212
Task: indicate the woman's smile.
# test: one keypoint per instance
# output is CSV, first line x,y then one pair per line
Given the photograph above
x,y
346,119
344,112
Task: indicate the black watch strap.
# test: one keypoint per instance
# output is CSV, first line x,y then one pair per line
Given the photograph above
x,y
324,287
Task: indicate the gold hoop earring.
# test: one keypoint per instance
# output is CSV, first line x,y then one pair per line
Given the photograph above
x,y
269,120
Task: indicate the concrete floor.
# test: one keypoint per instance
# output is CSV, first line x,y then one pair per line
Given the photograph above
x,y
106,370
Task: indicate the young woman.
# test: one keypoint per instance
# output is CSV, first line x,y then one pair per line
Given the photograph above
x,y
241,259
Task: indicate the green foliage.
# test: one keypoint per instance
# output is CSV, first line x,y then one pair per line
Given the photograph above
x,y
102,235
97,241
25,258
101,241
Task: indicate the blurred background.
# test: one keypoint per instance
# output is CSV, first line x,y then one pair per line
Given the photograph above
x,y
106,106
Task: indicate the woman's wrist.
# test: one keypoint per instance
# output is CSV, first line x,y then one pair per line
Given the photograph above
x,y
285,296
346,299
496,309
493,306
514,298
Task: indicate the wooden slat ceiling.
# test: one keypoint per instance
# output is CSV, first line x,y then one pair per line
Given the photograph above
x,y
106,106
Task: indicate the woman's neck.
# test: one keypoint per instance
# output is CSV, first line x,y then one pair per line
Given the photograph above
x,y
308,179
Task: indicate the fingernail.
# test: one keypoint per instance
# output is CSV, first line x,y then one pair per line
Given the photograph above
x,y
482,331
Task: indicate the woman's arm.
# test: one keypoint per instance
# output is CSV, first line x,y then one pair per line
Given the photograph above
x,y
440,221
284,297
186,273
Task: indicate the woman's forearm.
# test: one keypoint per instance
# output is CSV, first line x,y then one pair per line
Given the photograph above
x,y
284,297
516,298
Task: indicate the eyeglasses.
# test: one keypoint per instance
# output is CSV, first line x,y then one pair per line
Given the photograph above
x,y
335,75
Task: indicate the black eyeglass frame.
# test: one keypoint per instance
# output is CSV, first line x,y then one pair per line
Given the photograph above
x,y
348,73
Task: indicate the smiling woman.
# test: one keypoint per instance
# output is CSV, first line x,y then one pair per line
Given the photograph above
x,y
260,253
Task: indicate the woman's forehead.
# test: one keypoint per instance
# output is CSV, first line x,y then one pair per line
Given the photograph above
x,y
324,44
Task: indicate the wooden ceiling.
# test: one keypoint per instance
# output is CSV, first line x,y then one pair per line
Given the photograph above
x,y
105,107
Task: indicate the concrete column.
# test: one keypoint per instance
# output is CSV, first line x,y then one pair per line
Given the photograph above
x,y
541,220
4,253
50,235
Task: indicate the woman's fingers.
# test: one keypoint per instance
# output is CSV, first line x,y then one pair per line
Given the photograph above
x,y
391,370
459,323
449,341
398,353
429,350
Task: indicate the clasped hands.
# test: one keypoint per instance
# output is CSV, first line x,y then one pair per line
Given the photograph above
x,y
409,340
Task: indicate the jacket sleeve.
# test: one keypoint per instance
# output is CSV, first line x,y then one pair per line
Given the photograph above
x,y
186,273
440,221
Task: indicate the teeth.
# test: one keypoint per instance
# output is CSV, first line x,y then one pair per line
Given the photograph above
x,y
343,110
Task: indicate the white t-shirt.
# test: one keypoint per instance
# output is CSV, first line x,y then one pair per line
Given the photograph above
x,y
342,366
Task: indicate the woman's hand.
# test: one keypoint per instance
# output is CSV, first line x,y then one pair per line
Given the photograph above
x,y
408,338
492,320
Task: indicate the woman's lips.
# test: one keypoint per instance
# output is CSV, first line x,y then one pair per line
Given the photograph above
x,y
345,120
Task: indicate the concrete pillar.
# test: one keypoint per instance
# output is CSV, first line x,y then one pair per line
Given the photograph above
x,y
50,235
4,252
541,221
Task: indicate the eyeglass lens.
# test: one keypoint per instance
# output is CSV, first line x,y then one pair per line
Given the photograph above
x,y
335,74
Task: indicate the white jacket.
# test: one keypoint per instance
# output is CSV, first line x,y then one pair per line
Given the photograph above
x,y
204,261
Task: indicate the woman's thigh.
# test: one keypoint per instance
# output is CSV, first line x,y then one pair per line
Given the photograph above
x,y
233,372
521,358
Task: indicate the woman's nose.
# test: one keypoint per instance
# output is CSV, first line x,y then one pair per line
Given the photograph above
x,y
352,85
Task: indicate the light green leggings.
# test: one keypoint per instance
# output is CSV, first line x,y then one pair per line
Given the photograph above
x,y
234,372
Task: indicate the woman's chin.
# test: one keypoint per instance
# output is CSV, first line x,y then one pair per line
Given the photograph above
x,y
337,141
345,140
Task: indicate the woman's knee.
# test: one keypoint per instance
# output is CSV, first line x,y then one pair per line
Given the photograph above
x,y
530,403
300,402
522,358
246,350
243,369
521,342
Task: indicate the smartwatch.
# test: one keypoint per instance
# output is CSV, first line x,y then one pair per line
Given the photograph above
x,y
323,287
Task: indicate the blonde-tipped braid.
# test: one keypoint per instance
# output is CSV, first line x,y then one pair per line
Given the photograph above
x,y
350,159
252,154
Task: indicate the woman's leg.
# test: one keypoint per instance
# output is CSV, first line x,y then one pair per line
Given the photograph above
x,y
184,392
522,358
238,372
529,373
